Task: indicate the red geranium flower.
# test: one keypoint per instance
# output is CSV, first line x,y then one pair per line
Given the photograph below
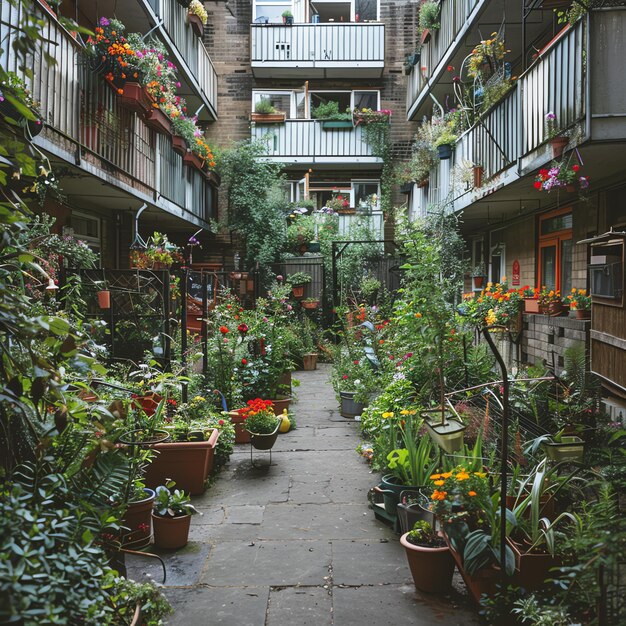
x,y
223,330
242,328
244,362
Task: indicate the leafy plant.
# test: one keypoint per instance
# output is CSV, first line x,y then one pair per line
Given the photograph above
x,y
330,111
429,15
264,107
299,278
423,534
176,503
446,138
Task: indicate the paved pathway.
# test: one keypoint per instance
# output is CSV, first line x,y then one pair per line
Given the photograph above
x,y
295,543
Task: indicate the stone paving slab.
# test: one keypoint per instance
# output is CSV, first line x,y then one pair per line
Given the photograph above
x,y
275,563
397,604
369,563
300,606
202,606
244,514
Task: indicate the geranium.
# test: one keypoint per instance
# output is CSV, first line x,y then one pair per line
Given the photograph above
x,y
224,329
559,175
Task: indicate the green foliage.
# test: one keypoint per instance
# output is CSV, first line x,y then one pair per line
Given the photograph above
x,y
254,200
423,534
264,107
330,111
126,594
429,15
262,423
170,502
299,278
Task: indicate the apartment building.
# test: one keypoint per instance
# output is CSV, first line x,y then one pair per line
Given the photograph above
x,y
346,52
112,159
519,216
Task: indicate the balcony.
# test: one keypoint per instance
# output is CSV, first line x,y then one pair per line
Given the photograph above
x,y
355,50
88,129
304,142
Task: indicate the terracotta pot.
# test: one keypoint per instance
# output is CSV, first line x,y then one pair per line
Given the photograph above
x,y
188,463
570,188
431,568
558,145
281,404
157,120
423,183
311,306
241,434
135,98
425,36
267,118
478,176
171,533
104,299
532,568
297,291
309,362
137,520
193,160
583,314
148,403
531,305
179,145
196,24
546,503
478,281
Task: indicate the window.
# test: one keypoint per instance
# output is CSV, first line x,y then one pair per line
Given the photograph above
x,y
87,228
555,251
342,98
365,100
272,11
281,100
345,10
362,193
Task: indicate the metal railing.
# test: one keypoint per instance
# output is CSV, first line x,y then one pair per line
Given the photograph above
x,y
78,105
454,15
318,44
307,141
191,48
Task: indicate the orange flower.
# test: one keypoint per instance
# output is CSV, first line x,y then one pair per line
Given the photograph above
x,y
462,475
439,495
440,483
446,475
435,477
471,493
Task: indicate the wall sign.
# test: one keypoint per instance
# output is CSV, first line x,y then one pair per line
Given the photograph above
x,y
516,273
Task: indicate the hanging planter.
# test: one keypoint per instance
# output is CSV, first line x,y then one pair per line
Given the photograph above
x,y
264,441
193,160
444,151
444,429
104,299
479,281
196,24
569,448
310,304
297,291
478,176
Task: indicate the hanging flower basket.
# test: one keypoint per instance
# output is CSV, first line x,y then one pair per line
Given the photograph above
x,y
446,433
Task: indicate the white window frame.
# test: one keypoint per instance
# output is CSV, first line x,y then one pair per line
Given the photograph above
x,y
287,4
365,181
350,91
352,4
257,93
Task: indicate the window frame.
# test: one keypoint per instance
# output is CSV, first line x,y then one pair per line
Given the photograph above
x,y
553,239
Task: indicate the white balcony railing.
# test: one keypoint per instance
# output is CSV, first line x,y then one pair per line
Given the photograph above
x,y
191,49
304,141
454,16
340,46
82,110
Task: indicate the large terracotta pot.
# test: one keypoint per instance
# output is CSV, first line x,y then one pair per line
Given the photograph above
x,y
431,568
188,463
532,568
171,533
137,520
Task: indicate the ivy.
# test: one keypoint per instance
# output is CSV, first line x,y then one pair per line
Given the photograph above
x,y
377,135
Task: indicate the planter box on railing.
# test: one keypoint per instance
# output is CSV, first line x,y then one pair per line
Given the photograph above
x,y
179,145
196,24
158,121
135,98
268,118
337,124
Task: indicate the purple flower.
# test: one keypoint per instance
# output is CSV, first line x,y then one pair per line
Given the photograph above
x,y
104,21
550,116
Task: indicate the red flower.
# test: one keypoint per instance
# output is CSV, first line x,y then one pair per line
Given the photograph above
x,y
244,362
242,328
537,184
223,330
576,167
345,377
356,362
450,68
221,422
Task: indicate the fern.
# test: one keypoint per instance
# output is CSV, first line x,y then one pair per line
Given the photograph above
x,y
108,477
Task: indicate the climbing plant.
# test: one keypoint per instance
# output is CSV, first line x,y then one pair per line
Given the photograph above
x,y
377,135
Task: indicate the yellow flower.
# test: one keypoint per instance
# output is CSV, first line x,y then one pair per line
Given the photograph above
x,y
435,477
462,475
480,474
440,483
199,399
387,414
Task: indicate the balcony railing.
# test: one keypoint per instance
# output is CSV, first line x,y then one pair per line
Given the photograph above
x,y
304,141
454,16
342,48
191,49
81,109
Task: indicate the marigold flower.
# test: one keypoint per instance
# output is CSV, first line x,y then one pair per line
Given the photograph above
x,y
462,476
446,475
471,493
440,483
435,477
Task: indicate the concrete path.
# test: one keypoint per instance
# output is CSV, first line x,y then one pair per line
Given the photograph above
x,y
295,543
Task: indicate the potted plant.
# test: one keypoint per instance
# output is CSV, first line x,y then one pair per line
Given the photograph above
x,y
171,517
479,274
580,303
558,141
104,297
265,113
428,19
429,558
298,280
159,254
287,17
445,427
330,117
445,143
261,423
531,299
310,303
550,302
197,17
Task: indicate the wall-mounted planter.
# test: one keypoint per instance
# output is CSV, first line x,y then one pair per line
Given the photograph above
x,y
445,151
406,188
179,145
478,176
157,120
425,36
568,449
558,145
7,110
531,305
193,160
423,183
337,124
196,24
135,98
268,118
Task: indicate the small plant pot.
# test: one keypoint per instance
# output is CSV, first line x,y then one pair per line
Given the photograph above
x,y
425,36
569,448
311,305
104,299
444,151
431,568
313,246
288,21
265,441
136,521
309,362
582,314
478,281
281,404
448,435
241,434
350,408
558,146
297,291
171,533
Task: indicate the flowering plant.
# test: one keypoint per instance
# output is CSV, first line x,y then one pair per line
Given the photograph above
x,y
547,296
579,300
495,305
197,8
552,129
458,488
111,48
369,116
159,251
559,175
338,202
488,51
529,292
259,416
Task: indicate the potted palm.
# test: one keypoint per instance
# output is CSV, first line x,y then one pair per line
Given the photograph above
x,y
429,558
171,517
